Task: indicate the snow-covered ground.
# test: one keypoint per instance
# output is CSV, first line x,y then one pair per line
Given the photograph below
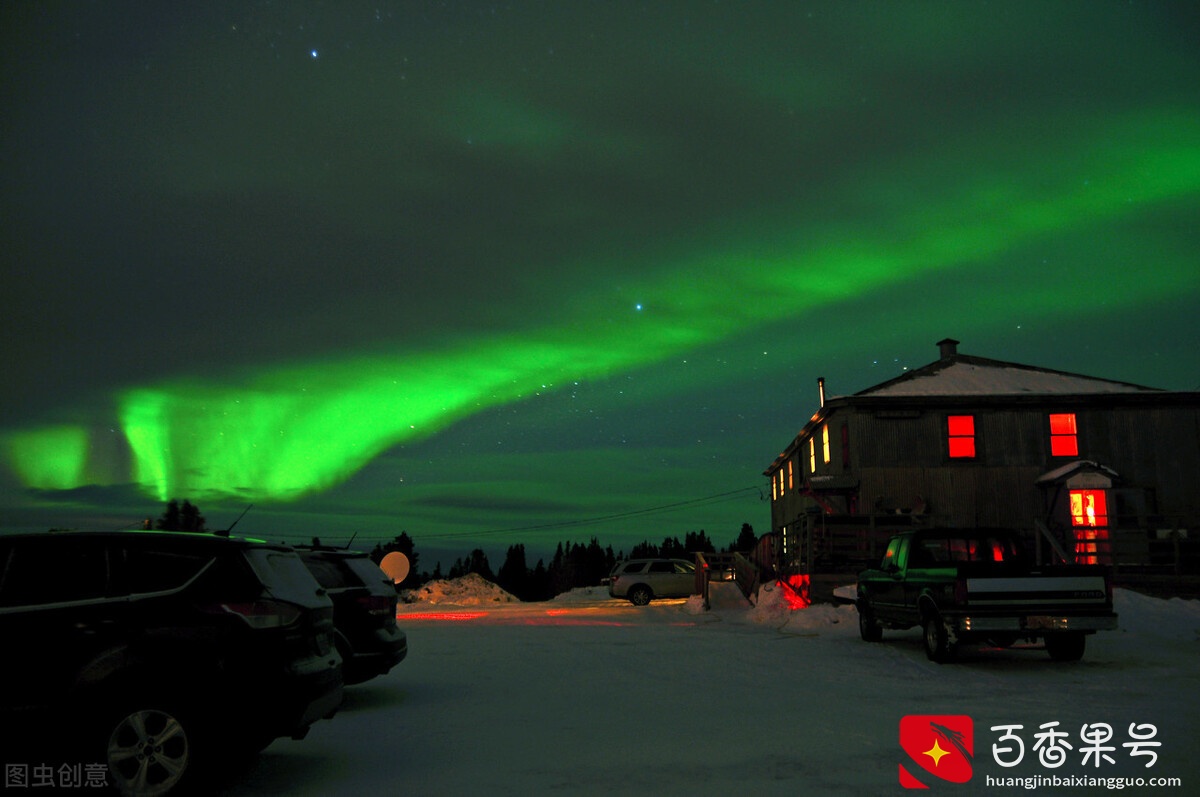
x,y
588,695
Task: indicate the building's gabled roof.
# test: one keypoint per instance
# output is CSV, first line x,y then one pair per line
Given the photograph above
x,y
965,375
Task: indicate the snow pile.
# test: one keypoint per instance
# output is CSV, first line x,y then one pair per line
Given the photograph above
x,y
469,590
1176,618
582,595
771,607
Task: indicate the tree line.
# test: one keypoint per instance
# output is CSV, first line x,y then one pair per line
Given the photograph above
x,y
574,564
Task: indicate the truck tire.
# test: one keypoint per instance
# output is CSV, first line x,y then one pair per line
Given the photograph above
x,y
868,627
1066,646
937,641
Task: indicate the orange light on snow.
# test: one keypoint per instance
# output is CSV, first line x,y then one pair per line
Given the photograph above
x,y
453,616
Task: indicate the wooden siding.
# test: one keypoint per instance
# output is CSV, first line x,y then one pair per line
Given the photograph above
x,y
899,452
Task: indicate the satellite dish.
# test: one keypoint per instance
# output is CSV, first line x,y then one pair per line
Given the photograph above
x,y
395,566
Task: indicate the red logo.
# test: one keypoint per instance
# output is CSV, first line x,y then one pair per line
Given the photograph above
x,y
941,745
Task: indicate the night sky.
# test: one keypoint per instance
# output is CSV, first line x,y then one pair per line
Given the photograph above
x,y
528,272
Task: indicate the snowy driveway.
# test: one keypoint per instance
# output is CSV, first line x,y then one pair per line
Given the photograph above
x,y
592,696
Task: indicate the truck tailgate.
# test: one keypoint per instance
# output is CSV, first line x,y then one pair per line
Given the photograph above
x,y
1040,591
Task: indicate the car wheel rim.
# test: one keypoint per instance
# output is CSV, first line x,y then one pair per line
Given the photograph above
x,y
148,752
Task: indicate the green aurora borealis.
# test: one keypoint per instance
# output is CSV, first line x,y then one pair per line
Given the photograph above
x,y
464,271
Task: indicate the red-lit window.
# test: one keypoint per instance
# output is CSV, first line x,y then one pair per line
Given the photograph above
x,y
1089,517
1063,440
961,430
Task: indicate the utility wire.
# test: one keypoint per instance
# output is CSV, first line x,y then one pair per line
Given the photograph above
x,y
708,499
714,499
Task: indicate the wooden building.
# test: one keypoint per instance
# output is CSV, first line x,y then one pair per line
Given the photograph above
x,y
1092,470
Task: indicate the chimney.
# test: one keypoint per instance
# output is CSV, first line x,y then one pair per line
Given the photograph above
x,y
821,389
947,347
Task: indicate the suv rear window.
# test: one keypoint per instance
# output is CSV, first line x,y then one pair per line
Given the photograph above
x,y
368,571
330,573
157,571
283,574
634,567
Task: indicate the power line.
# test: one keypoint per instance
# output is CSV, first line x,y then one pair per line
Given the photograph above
x,y
714,499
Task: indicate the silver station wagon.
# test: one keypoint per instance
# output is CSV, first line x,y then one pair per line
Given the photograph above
x,y
642,580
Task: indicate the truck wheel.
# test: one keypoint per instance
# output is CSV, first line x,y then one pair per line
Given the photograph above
x,y
1066,647
868,627
937,641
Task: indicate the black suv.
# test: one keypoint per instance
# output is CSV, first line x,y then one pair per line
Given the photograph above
x,y
147,654
364,610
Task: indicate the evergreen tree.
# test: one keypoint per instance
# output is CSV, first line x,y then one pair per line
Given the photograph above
x,y
672,548
185,517
697,542
405,545
643,550
514,574
539,583
478,563
746,540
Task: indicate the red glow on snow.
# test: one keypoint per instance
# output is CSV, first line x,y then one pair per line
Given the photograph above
x,y
455,616
795,591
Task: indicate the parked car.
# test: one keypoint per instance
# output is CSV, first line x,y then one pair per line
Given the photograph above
x,y
364,611
642,580
963,586
159,655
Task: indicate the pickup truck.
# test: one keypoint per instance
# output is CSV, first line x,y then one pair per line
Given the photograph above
x,y
978,585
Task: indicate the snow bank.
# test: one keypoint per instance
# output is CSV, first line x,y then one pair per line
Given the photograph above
x,y
1176,618
582,595
469,590
771,608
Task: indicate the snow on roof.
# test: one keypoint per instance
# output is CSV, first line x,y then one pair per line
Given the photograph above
x,y
962,375
1078,466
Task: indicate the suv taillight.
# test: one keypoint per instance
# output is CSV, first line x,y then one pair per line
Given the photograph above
x,y
379,605
264,613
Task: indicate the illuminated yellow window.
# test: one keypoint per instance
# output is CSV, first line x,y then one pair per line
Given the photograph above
x,y
812,455
1088,508
791,477
825,442
1063,439
961,435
